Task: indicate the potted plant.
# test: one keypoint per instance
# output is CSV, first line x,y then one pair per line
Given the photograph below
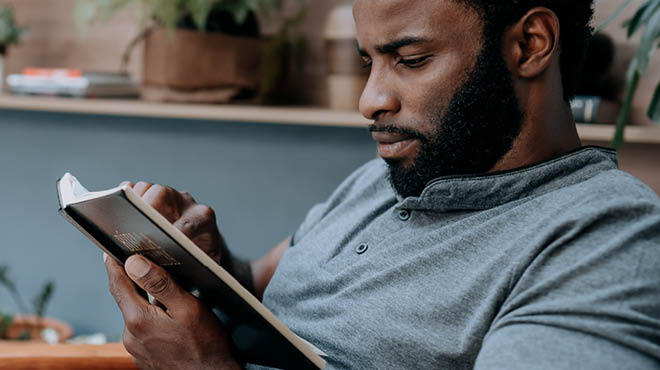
x,y
647,21
203,50
10,34
34,325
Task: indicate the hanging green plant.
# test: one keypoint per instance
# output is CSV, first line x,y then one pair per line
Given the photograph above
x,y
647,21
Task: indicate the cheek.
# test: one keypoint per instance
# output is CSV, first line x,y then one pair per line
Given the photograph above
x,y
429,91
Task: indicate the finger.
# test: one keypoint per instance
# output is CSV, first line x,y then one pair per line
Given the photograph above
x,y
135,348
164,200
157,282
127,183
141,187
125,293
131,343
187,198
195,219
140,292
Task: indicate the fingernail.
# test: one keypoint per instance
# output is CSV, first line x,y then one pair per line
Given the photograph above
x,y
105,256
137,266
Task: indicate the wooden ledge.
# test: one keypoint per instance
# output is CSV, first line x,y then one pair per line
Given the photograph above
x,y
263,114
234,113
41,356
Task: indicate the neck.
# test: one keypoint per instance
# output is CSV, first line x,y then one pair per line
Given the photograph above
x,y
548,128
546,133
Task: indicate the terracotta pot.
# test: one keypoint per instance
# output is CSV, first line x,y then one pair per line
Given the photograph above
x,y
32,325
184,65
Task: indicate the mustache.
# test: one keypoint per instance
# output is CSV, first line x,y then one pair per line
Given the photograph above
x,y
393,129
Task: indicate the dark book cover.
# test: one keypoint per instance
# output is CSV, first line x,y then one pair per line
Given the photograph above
x,y
122,224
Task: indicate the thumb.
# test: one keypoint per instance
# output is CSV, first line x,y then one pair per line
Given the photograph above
x,y
155,281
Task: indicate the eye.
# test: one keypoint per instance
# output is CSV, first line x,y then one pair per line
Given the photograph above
x,y
414,62
366,63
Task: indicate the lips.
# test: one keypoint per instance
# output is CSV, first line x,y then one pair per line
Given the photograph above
x,y
396,145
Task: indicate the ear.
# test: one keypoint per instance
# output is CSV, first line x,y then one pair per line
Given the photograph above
x,y
532,42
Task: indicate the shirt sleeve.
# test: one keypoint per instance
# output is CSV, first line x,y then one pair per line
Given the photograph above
x,y
589,300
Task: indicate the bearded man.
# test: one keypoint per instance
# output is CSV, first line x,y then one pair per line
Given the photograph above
x,y
484,238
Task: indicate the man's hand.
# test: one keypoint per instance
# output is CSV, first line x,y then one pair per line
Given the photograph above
x,y
177,333
196,221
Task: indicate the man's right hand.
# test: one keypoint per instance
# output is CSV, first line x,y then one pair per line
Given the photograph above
x,y
198,223
195,220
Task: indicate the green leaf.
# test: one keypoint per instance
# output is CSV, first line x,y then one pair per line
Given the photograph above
x,y
110,7
87,12
168,12
240,8
199,11
10,32
6,280
9,284
5,322
641,17
613,16
633,23
40,302
84,13
647,44
622,119
654,107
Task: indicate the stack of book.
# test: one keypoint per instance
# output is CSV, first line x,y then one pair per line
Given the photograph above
x,y
72,83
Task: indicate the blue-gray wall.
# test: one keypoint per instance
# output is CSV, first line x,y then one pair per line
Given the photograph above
x,y
261,179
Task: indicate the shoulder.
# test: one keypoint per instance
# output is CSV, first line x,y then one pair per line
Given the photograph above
x,y
615,183
593,277
612,194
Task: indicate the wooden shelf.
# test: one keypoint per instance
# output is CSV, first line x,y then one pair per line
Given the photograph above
x,y
261,114
235,113
35,355
605,133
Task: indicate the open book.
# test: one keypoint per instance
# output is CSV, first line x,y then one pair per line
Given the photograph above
x,y
122,224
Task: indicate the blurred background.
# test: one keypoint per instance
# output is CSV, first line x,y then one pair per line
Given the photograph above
x,y
251,110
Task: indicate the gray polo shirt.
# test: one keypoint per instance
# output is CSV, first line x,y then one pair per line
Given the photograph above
x,y
554,266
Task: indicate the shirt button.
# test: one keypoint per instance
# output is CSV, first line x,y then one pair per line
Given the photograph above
x,y
404,215
361,248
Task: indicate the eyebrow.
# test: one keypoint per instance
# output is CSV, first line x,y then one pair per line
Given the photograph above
x,y
392,47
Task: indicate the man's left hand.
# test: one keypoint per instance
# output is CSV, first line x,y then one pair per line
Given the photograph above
x,y
178,332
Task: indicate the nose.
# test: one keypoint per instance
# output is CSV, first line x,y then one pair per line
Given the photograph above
x,y
378,98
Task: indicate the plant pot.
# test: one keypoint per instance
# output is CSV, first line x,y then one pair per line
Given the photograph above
x,y
33,326
202,67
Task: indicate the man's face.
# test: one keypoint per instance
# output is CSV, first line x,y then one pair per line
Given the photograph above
x,y
440,95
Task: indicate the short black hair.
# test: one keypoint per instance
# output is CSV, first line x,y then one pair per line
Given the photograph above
x,y
574,21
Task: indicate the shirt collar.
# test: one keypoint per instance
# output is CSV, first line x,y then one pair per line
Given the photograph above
x,y
478,192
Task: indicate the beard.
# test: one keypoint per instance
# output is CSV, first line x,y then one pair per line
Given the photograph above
x,y
477,129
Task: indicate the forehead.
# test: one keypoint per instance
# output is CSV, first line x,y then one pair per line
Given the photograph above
x,y
381,21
